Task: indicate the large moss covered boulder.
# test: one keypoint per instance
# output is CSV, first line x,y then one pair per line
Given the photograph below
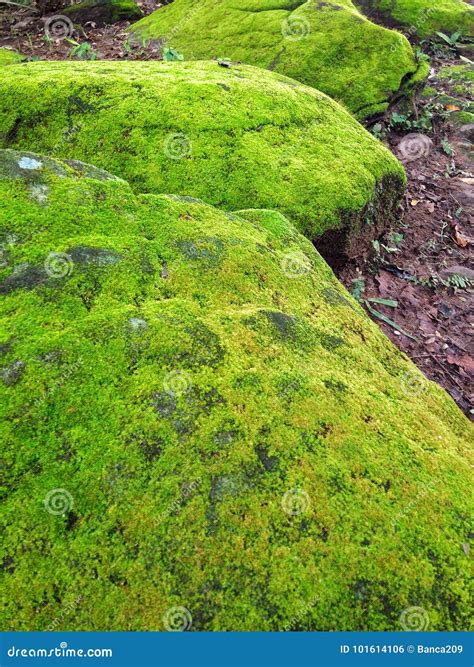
x,y
235,137
202,430
423,17
10,57
103,12
328,45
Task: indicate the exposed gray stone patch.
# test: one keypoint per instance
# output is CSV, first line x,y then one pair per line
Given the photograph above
x,y
39,193
10,375
93,256
29,163
137,324
24,276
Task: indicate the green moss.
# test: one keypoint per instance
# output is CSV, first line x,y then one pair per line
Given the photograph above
x,y
462,75
236,138
423,17
458,79
199,458
461,118
327,45
429,91
104,11
9,57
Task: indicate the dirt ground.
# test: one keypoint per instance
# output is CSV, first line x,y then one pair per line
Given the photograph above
x,y
425,264
28,32
424,267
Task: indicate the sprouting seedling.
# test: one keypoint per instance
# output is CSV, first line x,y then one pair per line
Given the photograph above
x,y
170,54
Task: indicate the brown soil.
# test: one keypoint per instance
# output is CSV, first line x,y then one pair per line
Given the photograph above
x,y
25,31
436,217
417,270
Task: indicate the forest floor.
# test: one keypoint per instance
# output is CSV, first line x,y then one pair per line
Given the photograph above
x,y
425,264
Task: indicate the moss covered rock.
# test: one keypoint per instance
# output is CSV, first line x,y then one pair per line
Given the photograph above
x,y
328,45
235,137
201,426
9,57
423,17
103,12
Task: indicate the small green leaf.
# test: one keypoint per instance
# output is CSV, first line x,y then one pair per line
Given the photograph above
x,y
385,302
387,320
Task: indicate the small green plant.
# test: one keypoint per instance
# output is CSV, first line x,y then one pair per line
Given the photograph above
x,y
358,288
379,131
82,51
452,40
458,281
358,293
170,55
127,47
447,148
424,120
395,239
455,281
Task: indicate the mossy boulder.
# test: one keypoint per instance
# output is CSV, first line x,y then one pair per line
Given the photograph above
x,y
328,45
235,137
423,17
103,12
199,422
9,57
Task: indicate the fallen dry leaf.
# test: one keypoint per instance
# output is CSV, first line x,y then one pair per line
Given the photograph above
x,y
460,239
465,361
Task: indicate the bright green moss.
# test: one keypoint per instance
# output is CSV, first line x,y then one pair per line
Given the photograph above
x,y
179,372
327,45
423,17
9,57
236,138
